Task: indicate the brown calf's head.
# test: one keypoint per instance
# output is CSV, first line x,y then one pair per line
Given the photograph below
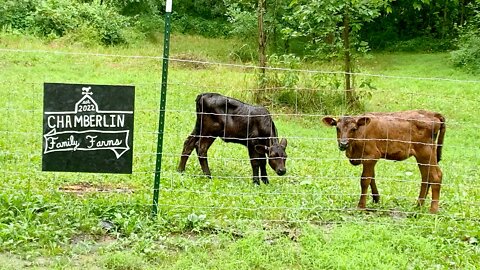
x,y
277,156
347,128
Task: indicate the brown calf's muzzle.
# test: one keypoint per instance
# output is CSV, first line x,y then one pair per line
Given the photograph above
x,y
343,145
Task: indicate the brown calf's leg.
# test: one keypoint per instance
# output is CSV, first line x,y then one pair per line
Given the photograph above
x,y
188,146
375,195
425,171
431,177
367,175
436,184
203,144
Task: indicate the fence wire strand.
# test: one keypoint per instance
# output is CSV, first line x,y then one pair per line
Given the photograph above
x,y
179,191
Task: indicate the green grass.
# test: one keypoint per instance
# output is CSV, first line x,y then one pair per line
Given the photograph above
x,y
303,220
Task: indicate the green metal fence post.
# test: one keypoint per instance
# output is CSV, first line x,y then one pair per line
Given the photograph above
x,y
163,99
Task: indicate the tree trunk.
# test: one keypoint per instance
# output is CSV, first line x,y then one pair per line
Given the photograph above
x,y
445,22
349,91
262,43
462,12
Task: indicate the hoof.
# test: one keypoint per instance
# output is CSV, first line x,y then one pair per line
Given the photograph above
x,y
361,207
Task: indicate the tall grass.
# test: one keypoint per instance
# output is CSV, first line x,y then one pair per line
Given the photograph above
x,y
306,219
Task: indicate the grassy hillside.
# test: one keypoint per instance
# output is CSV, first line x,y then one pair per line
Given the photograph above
x,y
305,219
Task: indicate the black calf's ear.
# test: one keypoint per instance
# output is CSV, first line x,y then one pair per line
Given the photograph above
x,y
329,121
262,149
283,143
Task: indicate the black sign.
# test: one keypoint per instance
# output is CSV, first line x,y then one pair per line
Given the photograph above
x,y
88,128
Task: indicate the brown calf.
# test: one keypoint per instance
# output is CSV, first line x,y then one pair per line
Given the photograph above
x,y
394,136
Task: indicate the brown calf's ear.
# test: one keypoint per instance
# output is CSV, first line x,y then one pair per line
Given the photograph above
x,y
363,121
329,121
262,149
283,143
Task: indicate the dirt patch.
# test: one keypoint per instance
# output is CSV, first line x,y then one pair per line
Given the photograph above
x,y
83,188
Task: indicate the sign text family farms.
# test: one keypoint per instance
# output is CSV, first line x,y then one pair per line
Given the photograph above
x,y
88,128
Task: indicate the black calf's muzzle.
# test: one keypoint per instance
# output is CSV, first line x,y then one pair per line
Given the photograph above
x,y
281,171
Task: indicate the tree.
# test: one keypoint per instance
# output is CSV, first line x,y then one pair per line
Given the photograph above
x,y
262,44
468,54
331,28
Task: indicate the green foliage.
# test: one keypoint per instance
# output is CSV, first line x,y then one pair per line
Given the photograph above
x,y
206,9
17,14
57,18
197,25
244,52
286,85
420,44
244,22
122,260
135,7
27,219
468,54
430,25
321,23
196,223
149,23
108,23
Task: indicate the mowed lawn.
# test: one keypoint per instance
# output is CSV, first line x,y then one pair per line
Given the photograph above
x,y
306,219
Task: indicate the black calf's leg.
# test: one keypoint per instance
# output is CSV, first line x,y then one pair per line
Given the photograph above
x,y
263,170
202,148
188,146
255,161
255,169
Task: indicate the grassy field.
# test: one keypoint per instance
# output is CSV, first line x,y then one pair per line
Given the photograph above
x,y
304,220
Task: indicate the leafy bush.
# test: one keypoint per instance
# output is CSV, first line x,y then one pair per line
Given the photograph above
x,y
108,23
58,18
200,26
468,54
307,92
17,14
243,22
150,25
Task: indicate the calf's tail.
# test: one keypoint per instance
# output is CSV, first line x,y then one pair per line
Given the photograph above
x,y
441,136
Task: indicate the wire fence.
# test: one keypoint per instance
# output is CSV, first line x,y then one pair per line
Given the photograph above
x,y
320,184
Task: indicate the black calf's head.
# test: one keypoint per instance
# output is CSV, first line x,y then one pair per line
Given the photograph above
x,y
276,155
347,129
